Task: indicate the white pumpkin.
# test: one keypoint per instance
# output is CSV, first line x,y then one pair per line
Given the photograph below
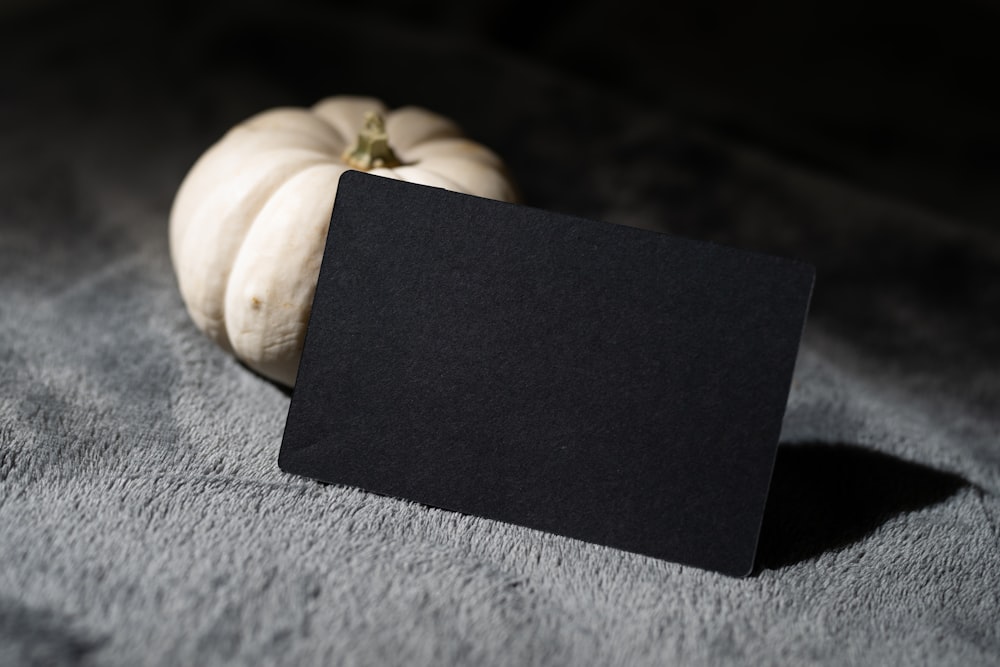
x,y
249,222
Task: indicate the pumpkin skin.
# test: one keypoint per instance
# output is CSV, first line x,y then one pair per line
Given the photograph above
x,y
248,225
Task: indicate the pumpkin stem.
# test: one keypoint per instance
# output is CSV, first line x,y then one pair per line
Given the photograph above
x,y
371,149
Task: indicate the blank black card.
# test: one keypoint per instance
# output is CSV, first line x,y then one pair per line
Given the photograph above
x,y
605,383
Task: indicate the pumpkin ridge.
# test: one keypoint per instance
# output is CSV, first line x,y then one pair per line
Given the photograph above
x,y
290,121
439,127
251,213
454,185
303,141
506,190
218,165
281,268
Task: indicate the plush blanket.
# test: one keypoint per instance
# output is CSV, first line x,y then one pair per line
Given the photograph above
x,y
143,518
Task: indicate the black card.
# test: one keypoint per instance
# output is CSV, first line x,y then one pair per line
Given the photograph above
x,y
605,383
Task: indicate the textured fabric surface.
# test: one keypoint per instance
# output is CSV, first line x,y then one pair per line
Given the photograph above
x,y
143,518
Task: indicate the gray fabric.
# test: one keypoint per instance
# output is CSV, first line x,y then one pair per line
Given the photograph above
x,y
142,515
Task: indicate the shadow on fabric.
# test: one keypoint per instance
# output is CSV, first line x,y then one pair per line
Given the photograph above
x,y
32,636
287,391
827,496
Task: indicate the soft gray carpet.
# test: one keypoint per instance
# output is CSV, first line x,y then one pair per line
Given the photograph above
x,y
142,515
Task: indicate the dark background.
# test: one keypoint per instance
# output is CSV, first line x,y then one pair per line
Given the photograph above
x,y
857,137
897,100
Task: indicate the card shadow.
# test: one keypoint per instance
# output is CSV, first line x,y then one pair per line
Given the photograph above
x,y
827,496
287,391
